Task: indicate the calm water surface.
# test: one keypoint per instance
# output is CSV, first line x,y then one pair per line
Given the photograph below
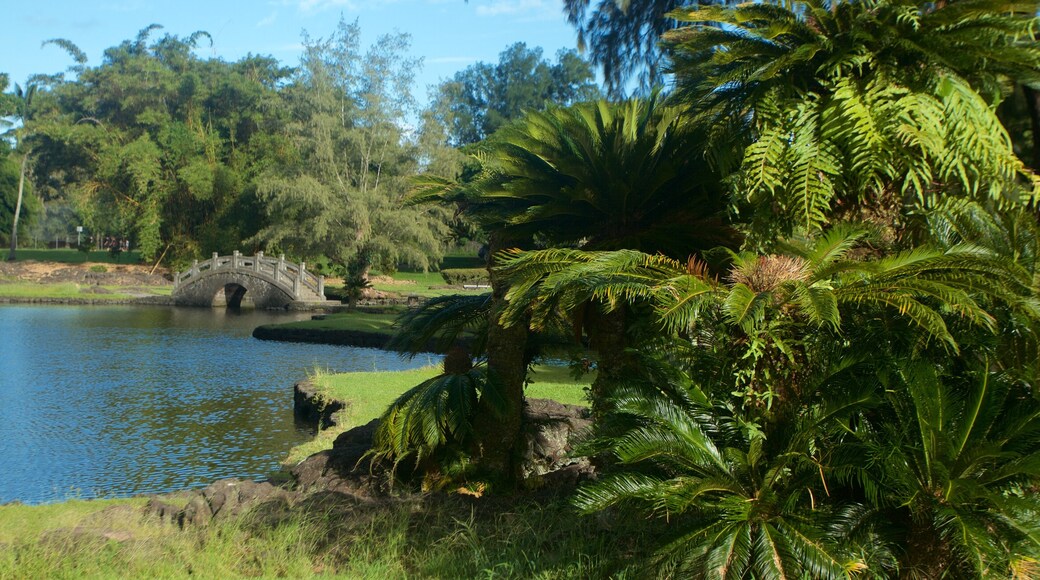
x,y
116,401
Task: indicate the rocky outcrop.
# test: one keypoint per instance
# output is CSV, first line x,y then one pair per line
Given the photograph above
x,y
312,407
550,431
344,476
344,468
222,499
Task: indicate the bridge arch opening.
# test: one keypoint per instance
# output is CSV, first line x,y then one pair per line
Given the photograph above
x,y
233,296
247,281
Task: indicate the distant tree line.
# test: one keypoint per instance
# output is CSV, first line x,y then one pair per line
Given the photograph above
x,y
186,155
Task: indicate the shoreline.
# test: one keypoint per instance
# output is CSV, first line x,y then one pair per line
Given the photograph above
x,y
359,338
142,301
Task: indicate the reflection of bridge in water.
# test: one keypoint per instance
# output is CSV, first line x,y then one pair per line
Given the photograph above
x,y
230,280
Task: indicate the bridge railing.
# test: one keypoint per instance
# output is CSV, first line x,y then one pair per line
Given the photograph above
x,y
290,276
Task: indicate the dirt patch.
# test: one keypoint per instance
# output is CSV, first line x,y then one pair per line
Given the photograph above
x,y
59,273
390,281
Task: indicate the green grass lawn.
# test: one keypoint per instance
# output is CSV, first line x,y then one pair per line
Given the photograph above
x,y
423,284
358,321
421,537
70,290
368,394
75,256
24,521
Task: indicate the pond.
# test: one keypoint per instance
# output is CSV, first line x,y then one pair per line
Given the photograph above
x,y
116,401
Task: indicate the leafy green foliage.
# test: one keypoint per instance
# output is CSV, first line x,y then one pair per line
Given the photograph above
x,y
735,509
162,147
602,175
338,193
460,276
484,97
805,422
622,38
443,321
434,421
859,106
956,452
776,307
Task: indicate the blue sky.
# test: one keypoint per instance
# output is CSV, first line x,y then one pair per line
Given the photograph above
x,y
449,34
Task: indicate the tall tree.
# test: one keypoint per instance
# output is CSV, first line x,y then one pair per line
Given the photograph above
x,y
338,190
484,97
23,111
622,37
594,175
10,180
163,147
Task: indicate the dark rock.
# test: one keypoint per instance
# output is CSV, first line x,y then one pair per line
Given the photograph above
x,y
270,514
550,430
197,512
166,512
221,499
311,406
344,468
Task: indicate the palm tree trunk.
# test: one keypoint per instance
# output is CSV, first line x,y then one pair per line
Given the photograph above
x,y
498,428
613,364
927,555
17,210
1033,106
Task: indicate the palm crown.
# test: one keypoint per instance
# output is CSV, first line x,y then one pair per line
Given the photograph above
x,y
856,104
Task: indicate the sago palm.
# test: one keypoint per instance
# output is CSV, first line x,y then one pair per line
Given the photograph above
x,y
774,308
949,461
432,424
734,509
1009,235
598,176
856,109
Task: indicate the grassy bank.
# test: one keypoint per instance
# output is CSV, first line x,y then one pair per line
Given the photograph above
x,y
73,291
424,285
426,537
368,394
359,321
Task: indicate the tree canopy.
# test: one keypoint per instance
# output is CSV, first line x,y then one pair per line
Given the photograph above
x,y
484,97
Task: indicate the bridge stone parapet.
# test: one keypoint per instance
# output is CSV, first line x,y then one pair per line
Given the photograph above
x,y
267,282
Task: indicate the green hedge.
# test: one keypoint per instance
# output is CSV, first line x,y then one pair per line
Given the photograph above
x,y
460,276
457,261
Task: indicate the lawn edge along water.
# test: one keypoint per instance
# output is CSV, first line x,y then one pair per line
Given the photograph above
x,y
364,396
354,328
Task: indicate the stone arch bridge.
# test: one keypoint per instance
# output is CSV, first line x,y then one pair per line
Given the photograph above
x,y
264,282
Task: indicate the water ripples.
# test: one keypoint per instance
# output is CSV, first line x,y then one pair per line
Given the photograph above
x,y
117,401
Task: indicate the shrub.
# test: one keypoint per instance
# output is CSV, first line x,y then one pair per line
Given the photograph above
x,y
459,276
98,268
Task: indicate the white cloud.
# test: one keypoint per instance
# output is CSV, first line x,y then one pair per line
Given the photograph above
x,y
268,20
